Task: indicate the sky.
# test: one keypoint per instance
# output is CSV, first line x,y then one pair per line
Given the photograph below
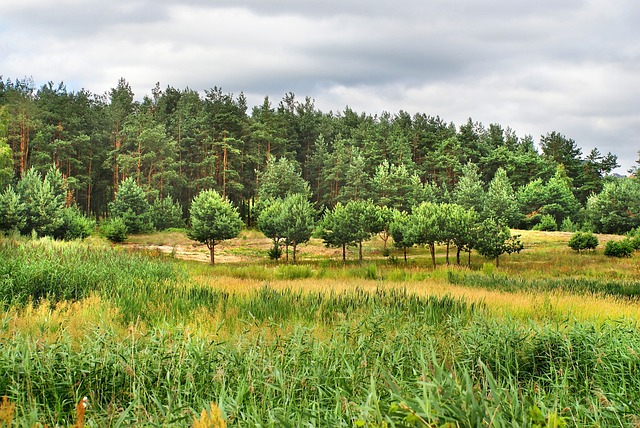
x,y
571,66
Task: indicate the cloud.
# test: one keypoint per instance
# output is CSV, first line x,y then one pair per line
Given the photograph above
x,y
569,66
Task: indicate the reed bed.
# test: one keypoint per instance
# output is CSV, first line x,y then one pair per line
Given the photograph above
x,y
151,341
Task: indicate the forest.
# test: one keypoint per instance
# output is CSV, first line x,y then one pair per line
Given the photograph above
x,y
178,142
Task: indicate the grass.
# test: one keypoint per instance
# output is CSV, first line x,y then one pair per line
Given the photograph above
x,y
547,338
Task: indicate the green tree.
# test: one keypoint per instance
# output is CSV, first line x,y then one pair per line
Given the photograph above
x,y
563,151
494,239
340,229
12,211
460,229
280,178
131,206
617,208
469,191
75,225
357,181
426,227
400,231
368,221
501,202
271,224
213,219
393,186
6,164
43,207
298,217
560,202
165,213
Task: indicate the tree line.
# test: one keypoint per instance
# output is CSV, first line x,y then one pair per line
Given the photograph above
x,y
176,143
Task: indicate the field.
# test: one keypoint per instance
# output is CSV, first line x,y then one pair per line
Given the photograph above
x,y
152,336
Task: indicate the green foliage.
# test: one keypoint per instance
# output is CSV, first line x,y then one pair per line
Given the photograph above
x,y
469,192
583,241
6,163
494,239
281,177
165,214
568,225
547,223
500,202
12,211
75,225
617,208
290,221
298,218
275,252
114,229
270,220
43,201
400,231
339,228
132,207
394,186
622,248
634,236
213,219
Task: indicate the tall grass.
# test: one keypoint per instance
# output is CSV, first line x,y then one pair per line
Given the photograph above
x,y
617,288
290,357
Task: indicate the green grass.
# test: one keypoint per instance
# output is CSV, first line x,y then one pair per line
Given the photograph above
x,y
149,345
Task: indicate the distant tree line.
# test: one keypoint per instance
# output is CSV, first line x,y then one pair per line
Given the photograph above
x,y
143,163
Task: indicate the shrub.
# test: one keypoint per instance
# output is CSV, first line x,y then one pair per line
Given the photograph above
x,y
166,214
622,248
75,225
132,207
275,252
583,241
115,230
568,225
547,223
634,236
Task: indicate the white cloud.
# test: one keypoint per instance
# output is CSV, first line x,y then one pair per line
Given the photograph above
x,y
533,66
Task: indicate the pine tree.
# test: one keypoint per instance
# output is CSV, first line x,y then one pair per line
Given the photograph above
x,y
213,219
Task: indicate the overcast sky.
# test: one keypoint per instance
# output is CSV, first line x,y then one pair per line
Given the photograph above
x,y
536,66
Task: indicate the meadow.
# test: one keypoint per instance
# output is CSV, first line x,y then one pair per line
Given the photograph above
x,y
154,337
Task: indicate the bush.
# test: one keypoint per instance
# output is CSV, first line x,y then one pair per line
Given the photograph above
x,y
75,225
622,248
166,214
583,241
547,223
115,230
275,252
634,236
568,225
132,207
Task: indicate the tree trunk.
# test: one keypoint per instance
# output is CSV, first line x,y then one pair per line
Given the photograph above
x,y
405,255
447,253
294,252
360,252
458,256
469,257
498,261
211,251
432,248
344,253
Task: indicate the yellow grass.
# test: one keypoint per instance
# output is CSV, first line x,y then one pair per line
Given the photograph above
x,y
522,305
